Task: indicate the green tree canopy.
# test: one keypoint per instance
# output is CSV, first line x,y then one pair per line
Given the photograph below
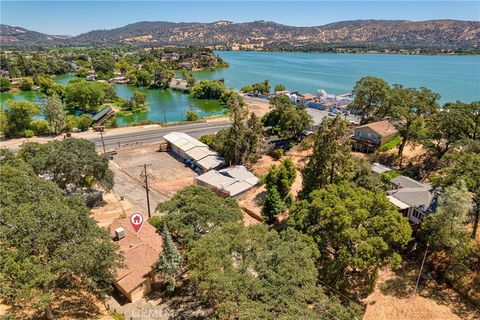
x,y
356,231
370,98
194,211
170,262
18,117
261,87
412,107
85,96
241,142
54,113
286,118
280,87
331,159
5,84
281,178
253,273
71,163
49,242
26,84
208,89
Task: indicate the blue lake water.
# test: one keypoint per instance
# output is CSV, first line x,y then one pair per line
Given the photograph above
x,y
453,77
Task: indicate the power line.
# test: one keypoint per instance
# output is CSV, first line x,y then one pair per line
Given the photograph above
x,y
418,281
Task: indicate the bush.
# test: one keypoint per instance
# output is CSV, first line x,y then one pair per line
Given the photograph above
x,y
277,153
26,84
208,89
156,222
84,122
192,115
28,133
389,175
395,142
40,127
247,89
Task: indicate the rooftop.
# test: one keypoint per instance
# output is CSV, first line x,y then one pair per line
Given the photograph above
x,y
140,251
382,128
233,180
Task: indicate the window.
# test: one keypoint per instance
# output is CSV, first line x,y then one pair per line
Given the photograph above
x,y
418,214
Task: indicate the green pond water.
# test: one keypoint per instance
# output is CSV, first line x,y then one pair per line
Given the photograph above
x,y
453,77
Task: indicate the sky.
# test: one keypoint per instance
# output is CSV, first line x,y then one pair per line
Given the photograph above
x,y
75,17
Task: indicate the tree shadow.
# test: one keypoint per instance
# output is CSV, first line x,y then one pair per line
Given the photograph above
x,y
183,304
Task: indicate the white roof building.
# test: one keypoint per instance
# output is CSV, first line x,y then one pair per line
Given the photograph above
x,y
232,181
191,149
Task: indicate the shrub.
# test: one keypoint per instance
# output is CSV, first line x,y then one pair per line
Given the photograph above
x,y
40,127
84,122
28,133
277,153
395,142
26,84
389,175
192,115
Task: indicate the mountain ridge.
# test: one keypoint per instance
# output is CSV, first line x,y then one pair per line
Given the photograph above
x,y
268,35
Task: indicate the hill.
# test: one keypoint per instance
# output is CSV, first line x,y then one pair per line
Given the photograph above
x,y
267,35
15,35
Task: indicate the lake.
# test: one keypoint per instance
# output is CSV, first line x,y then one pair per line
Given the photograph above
x,y
453,77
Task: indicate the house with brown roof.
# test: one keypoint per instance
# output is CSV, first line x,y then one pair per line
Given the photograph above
x,y
370,136
141,251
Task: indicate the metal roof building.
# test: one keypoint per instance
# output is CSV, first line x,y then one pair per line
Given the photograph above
x,y
194,151
232,181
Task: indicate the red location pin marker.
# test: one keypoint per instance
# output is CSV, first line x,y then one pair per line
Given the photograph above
x,y
136,219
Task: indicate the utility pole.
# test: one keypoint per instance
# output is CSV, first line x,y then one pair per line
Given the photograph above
x,y
103,142
145,176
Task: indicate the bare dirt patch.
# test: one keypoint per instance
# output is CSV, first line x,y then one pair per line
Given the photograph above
x,y
168,173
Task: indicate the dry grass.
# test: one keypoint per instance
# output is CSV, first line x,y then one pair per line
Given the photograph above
x,y
393,298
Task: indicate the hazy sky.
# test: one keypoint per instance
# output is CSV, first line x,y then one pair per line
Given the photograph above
x,y
75,17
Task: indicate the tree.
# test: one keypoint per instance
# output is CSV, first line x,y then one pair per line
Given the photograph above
x,y
370,98
241,142
5,84
246,89
331,159
446,130
54,113
471,113
139,98
281,179
162,76
280,87
208,89
287,119
84,96
49,242
72,163
195,211
411,107
18,117
465,166
143,77
48,87
445,229
253,273
84,122
356,231
273,205
26,84
261,87
170,262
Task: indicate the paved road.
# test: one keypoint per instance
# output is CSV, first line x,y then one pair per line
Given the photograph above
x,y
130,135
149,135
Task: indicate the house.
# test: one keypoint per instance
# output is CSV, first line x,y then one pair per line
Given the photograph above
x,y
186,65
141,251
195,153
412,198
370,136
230,182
